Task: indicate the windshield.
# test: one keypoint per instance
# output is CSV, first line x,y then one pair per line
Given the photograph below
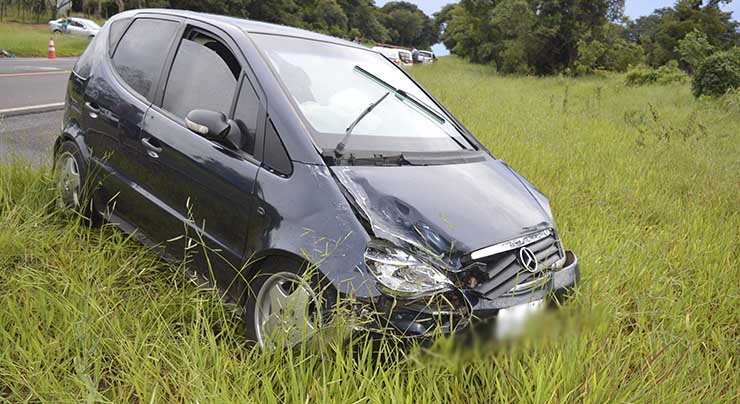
x,y
331,93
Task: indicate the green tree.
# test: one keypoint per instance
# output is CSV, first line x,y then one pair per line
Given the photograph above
x,y
363,16
407,25
660,33
540,35
327,16
694,48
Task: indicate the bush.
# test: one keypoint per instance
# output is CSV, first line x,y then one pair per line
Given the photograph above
x,y
667,74
641,75
718,74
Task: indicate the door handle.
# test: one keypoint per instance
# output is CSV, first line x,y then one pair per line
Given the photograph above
x,y
151,149
92,109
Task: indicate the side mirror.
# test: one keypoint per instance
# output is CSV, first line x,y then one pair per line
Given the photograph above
x,y
209,124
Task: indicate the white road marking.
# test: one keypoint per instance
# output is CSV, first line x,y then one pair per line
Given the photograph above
x,y
31,107
39,68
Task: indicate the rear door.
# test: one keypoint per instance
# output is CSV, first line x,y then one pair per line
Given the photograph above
x,y
115,102
203,188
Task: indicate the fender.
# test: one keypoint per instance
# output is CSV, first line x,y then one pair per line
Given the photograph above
x,y
290,218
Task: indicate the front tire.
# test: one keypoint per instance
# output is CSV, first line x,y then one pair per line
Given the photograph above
x,y
283,305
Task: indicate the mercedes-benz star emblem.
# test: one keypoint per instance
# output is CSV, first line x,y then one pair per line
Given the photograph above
x,y
528,260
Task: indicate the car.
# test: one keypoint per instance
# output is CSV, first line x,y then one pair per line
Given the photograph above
x,y
400,57
426,56
293,170
74,26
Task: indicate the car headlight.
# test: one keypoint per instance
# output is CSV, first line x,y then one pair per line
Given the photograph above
x,y
402,274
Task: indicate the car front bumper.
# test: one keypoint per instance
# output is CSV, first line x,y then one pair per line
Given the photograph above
x,y
458,309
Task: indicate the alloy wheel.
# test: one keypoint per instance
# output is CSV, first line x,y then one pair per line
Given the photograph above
x,y
286,311
68,181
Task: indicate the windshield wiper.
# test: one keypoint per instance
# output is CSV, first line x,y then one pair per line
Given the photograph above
x,y
339,149
401,94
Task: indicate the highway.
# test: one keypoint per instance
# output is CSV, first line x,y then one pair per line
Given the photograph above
x,y
26,82
28,85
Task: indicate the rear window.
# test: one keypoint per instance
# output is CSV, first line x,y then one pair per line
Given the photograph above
x,y
141,53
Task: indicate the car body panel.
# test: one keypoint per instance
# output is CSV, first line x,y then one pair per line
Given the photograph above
x,y
448,209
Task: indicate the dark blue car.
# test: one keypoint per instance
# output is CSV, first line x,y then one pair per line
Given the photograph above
x,y
259,152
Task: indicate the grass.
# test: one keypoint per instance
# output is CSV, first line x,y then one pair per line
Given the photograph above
x,y
645,186
33,40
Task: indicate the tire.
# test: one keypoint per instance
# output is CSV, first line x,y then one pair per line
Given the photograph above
x,y
273,319
72,189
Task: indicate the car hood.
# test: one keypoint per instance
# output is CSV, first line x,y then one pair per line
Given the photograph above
x,y
450,210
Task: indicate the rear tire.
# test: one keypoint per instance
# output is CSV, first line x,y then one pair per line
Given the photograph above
x,y
72,188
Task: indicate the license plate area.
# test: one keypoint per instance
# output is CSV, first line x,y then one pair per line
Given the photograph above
x,y
511,321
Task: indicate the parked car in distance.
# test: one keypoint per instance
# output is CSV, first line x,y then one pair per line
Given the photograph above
x,y
401,57
74,26
426,56
291,168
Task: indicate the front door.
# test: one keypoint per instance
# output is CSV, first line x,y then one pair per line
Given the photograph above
x,y
204,188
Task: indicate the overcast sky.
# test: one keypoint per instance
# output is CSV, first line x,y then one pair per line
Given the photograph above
x,y
633,8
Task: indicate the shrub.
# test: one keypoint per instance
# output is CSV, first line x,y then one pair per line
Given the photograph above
x,y
718,74
669,73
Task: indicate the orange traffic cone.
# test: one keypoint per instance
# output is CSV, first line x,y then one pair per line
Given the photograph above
x,y
52,52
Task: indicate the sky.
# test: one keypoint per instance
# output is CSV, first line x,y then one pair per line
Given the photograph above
x,y
633,9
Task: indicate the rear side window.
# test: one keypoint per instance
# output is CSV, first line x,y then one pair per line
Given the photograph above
x,y
203,76
142,51
115,31
85,62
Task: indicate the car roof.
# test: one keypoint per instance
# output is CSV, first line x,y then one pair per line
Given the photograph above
x,y
246,25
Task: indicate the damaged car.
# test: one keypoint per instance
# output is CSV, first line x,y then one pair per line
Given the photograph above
x,y
258,152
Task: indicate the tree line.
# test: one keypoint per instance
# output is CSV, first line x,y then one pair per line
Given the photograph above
x,y
581,36
400,23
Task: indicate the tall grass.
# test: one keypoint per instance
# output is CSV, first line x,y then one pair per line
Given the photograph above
x,y
645,185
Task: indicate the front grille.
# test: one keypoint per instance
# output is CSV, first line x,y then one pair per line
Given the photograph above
x,y
505,274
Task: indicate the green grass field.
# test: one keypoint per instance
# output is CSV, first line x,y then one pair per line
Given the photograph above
x,y
33,40
645,186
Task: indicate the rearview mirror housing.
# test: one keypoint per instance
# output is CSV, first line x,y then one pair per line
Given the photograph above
x,y
209,124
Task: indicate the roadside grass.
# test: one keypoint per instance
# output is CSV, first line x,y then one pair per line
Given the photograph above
x,y
645,186
33,40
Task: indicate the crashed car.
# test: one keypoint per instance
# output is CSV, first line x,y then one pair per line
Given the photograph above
x,y
259,152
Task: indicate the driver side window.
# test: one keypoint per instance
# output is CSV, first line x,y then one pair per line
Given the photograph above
x,y
204,76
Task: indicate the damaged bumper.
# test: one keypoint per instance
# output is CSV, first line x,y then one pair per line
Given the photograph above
x,y
456,309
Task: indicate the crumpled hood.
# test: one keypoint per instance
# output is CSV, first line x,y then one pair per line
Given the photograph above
x,y
450,210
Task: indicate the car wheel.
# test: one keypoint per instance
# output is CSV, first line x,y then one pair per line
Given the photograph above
x,y
283,306
70,174
57,31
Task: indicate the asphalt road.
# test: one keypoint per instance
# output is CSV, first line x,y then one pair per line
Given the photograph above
x,y
28,82
30,137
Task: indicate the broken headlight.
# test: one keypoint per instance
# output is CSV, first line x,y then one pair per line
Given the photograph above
x,y
402,274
